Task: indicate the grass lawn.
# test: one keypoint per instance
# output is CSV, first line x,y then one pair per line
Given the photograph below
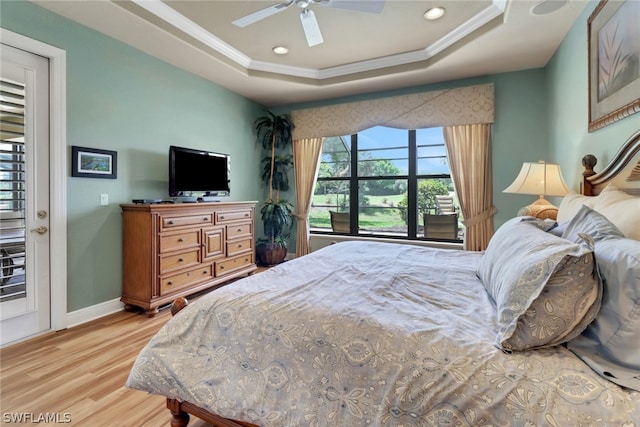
x,y
383,215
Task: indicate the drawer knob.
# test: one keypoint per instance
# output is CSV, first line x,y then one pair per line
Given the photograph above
x,y
169,283
170,222
205,272
180,239
205,219
240,245
180,260
222,267
239,230
221,216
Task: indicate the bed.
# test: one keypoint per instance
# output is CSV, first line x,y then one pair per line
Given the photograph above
x,y
543,328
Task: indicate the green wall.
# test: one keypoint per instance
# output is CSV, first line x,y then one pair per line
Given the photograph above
x,y
121,99
568,112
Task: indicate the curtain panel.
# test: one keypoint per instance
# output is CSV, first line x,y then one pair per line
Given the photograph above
x,y
448,107
469,152
306,162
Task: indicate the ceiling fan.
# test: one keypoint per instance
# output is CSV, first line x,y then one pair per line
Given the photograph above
x,y
308,18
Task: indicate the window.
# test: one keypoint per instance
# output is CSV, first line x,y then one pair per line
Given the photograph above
x,y
12,190
382,181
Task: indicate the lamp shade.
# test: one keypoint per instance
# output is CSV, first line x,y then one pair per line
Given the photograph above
x,y
541,178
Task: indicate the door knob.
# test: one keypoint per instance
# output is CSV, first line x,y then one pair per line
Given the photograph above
x,y
41,230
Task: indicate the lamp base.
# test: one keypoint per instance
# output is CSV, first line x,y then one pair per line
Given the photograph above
x,y
541,208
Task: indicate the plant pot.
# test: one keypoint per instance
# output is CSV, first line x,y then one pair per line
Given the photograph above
x,y
270,253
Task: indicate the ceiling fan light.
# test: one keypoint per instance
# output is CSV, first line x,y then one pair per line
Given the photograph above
x,y
311,28
434,13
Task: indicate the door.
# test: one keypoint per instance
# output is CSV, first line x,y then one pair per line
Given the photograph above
x,y
24,195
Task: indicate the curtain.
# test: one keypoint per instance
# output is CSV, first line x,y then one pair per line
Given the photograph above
x,y
306,159
448,107
469,151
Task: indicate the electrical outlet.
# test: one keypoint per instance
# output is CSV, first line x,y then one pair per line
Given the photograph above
x,y
104,199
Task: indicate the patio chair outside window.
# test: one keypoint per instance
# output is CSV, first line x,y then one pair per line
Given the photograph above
x,y
340,222
445,205
441,226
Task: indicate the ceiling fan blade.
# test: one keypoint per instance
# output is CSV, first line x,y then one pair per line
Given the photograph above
x,y
371,6
261,14
311,28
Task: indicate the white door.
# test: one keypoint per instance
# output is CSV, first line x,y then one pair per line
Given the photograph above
x,y
25,286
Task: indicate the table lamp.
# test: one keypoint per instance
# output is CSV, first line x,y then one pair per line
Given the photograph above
x,y
543,179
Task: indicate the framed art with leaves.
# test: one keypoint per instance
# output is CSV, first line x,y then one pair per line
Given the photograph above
x,y
614,62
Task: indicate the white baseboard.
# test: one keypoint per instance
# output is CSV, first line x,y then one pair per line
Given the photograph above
x,y
93,312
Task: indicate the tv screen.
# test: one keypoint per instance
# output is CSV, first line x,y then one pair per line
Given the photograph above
x,y
194,172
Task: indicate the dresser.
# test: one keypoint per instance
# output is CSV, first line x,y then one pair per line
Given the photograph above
x,y
174,250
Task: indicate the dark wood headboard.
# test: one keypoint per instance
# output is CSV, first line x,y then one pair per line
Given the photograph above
x,y
623,171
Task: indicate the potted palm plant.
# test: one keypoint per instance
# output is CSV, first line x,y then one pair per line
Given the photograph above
x,y
274,133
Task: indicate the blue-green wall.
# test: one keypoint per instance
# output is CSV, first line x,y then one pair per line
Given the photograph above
x,y
568,110
121,99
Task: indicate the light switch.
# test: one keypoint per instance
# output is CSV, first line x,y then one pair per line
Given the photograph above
x,y
104,199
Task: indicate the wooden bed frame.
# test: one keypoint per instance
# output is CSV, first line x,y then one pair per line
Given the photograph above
x,y
623,172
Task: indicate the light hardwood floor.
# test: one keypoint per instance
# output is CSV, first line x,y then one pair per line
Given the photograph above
x,y
79,374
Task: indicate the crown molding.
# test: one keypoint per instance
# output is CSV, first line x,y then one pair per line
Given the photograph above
x,y
184,24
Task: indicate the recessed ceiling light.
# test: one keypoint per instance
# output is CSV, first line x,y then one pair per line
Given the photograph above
x,y
434,13
547,6
280,50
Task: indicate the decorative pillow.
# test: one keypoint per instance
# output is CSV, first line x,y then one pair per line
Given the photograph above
x,y
546,288
611,343
571,204
590,222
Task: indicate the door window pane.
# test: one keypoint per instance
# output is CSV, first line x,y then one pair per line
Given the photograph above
x,y
12,191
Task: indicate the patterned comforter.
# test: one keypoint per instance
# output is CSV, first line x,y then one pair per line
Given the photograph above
x,y
373,334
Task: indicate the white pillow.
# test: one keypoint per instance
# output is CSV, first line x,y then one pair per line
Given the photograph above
x,y
571,204
622,209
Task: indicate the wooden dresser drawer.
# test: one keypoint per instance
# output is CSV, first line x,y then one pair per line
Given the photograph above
x,y
238,230
169,222
174,250
232,264
179,240
182,260
239,246
235,215
184,280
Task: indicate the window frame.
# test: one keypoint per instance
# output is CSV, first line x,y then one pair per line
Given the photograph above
x,y
412,179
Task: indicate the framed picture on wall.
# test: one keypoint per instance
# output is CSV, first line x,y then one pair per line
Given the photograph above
x,y
93,163
614,62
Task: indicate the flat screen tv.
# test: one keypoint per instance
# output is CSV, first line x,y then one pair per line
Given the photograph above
x,y
198,173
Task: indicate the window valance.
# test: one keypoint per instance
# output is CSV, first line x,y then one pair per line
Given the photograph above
x,y
448,107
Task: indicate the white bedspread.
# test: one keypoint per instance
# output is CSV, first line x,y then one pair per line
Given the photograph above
x,y
369,334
